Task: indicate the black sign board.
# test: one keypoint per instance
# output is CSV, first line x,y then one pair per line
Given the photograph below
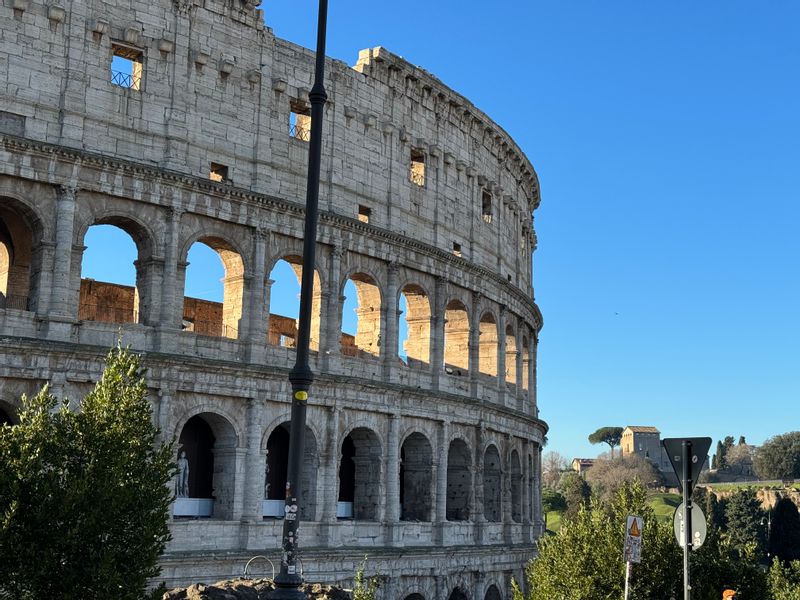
x,y
699,453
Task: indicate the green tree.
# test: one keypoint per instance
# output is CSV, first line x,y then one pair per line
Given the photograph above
x,y
717,460
585,560
779,457
607,435
83,495
576,493
784,580
607,476
743,518
784,532
553,500
718,565
365,588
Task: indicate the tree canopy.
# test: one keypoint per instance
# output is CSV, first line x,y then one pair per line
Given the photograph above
x,y
607,435
83,495
779,457
607,476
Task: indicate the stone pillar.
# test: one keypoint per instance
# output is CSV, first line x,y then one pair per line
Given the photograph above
x,y
477,477
532,376
393,480
519,368
330,476
166,393
390,316
537,487
437,331
171,286
474,343
254,465
501,355
62,296
257,303
527,486
440,514
332,336
506,496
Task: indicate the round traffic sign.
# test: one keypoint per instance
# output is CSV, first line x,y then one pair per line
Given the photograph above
x,y
699,528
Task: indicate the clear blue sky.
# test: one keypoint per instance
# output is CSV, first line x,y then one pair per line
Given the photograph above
x,y
666,137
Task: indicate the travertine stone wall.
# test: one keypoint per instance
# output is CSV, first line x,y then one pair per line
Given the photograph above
x,y
445,445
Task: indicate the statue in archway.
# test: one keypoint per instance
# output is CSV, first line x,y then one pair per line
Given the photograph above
x,y
182,485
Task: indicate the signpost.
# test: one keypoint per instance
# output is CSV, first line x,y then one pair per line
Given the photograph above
x,y
687,456
698,524
633,547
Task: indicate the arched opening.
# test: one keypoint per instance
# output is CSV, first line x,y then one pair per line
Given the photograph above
x,y
415,326
360,476
516,488
493,593
284,304
361,317
458,594
511,356
19,258
276,472
526,361
487,346
211,308
111,273
5,416
416,481
459,481
206,457
456,338
492,485
414,597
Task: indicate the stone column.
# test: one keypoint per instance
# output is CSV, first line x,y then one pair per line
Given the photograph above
x,y
393,480
257,302
389,314
474,343
506,499
477,515
440,515
501,355
166,393
254,465
171,286
330,476
527,486
532,377
537,486
332,336
437,331
62,296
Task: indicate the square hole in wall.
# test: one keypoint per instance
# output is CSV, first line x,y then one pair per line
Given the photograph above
x,y
299,121
218,172
364,213
456,248
417,169
486,206
127,65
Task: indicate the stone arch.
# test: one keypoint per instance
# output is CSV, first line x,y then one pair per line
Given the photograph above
x,y
493,593
456,338
210,317
283,327
515,472
117,302
414,596
511,355
459,481
458,593
360,474
417,345
20,254
276,467
367,339
416,478
207,442
487,345
492,489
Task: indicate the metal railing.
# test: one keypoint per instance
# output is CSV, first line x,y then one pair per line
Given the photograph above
x,y
125,80
299,132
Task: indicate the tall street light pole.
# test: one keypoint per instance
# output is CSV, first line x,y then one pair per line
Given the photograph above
x,y
288,581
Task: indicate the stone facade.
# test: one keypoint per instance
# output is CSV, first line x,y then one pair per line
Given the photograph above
x,y
431,464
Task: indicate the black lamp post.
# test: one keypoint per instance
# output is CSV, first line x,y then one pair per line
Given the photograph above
x,y
288,581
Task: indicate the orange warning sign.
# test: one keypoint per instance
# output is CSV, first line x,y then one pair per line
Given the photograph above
x,y
634,530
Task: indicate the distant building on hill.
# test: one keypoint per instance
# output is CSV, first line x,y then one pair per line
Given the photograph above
x,y
580,465
645,441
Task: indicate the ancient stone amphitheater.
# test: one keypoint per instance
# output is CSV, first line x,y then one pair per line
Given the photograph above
x,y
186,123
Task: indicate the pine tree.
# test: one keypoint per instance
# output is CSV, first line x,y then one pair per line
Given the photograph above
x,y
784,533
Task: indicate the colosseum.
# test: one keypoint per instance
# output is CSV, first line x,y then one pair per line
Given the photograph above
x,y
185,123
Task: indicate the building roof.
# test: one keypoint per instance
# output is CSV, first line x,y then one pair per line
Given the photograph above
x,y
643,429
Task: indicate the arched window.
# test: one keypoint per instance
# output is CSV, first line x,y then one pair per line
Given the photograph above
x,y
276,472
459,481
19,260
360,476
487,346
208,307
110,273
416,481
206,456
284,305
415,326
456,339
493,593
361,335
492,485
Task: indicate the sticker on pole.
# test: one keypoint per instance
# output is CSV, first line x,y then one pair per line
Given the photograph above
x,y
633,539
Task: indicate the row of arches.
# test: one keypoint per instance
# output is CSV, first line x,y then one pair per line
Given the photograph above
x,y
122,276
208,443
459,593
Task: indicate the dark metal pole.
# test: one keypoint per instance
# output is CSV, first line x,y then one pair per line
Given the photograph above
x,y
288,581
687,518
